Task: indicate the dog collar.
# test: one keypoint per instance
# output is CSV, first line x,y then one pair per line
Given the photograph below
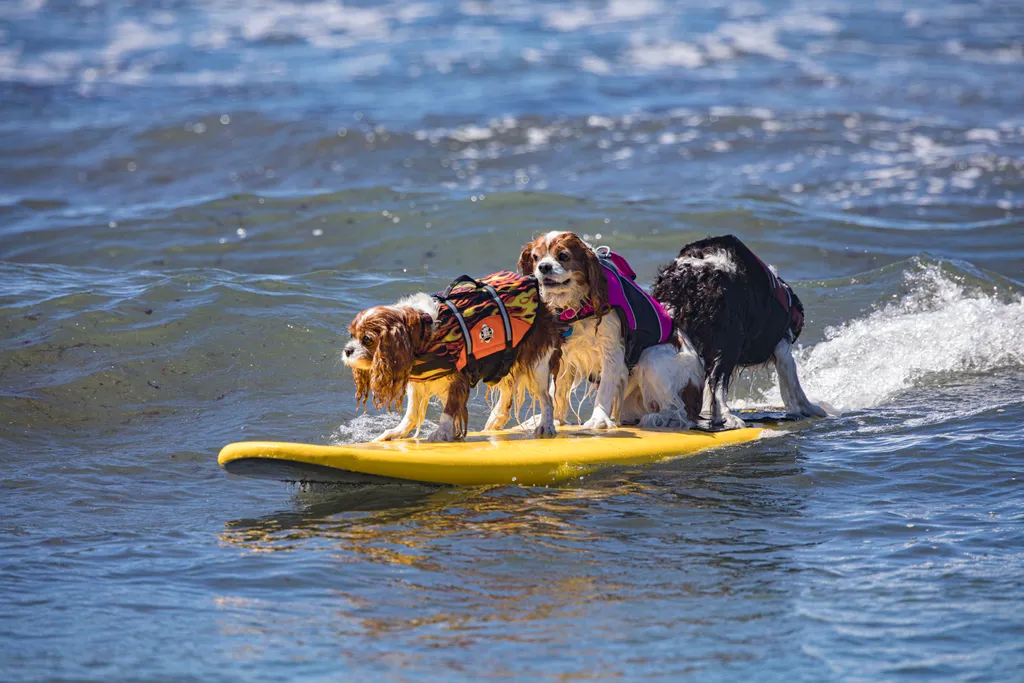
x,y
570,314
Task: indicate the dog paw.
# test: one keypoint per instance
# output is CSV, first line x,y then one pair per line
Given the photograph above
x,y
730,421
532,424
544,429
441,435
665,420
495,423
391,435
811,410
654,421
600,421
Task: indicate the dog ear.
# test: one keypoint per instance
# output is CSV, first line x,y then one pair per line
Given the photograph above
x,y
596,279
391,366
526,259
362,379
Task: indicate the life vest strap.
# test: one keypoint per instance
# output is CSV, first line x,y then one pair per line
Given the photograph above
x,y
505,320
784,296
462,324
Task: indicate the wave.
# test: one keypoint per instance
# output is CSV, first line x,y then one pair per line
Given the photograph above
x,y
951,321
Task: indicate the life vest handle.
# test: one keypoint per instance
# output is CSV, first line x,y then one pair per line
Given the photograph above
x,y
462,324
456,282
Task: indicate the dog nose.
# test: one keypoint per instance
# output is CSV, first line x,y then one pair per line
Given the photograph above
x,y
348,352
545,268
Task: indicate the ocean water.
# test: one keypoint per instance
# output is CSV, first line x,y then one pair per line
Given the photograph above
x,y
195,197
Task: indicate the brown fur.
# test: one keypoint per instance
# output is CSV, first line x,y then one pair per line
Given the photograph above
x,y
457,404
583,261
692,400
398,333
395,334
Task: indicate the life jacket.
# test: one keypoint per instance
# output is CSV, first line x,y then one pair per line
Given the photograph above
x,y
785,296
647,323
480,323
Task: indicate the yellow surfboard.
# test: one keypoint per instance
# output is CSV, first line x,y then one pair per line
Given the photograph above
x,y
505,457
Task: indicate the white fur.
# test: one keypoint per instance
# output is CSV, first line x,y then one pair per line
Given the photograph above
x,y
594,350
654,393
421,301
716,260
793,396
417,397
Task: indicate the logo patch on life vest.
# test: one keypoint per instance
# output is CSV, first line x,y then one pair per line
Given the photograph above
x,y
486,334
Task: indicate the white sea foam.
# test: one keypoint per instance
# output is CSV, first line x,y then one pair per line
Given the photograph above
x,y
662,55
939,327
370,425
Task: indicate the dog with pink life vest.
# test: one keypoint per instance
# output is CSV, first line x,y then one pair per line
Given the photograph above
x,y
716,307
615,335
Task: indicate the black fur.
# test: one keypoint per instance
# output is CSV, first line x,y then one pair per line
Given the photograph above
x,y
732,318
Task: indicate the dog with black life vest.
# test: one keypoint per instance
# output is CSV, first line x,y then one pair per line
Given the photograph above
x,y
737,312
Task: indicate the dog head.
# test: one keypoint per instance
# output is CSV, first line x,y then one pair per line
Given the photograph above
x,y
381,351
568,270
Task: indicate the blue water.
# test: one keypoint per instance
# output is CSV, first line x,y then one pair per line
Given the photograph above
x,y
195,198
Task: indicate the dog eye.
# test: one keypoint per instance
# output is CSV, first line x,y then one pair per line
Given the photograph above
x,y
367,340
564,256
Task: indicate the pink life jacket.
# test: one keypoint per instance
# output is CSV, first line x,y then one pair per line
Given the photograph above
x,y
647,321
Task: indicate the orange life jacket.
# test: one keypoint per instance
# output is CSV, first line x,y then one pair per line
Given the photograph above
x,y
480,323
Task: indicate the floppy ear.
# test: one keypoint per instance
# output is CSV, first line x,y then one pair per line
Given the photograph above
x,y
597,279
362,379
391,366
526,259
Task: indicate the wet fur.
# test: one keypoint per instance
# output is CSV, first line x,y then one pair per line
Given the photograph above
x,y
720,296
384,344
595,350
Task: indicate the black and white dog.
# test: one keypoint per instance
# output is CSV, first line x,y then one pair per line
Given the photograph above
x,y
737,312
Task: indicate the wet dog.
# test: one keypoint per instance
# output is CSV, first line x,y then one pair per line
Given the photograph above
x,y
737,312
616,336
497,330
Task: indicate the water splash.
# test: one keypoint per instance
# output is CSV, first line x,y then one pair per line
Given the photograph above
x,y
941,326
369,426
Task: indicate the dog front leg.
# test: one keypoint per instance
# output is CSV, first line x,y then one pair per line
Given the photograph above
x,y
614,375
793,396
417,396
502,409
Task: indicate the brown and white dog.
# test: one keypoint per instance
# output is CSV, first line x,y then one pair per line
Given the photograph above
x,y
738,312
387,342
655,382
